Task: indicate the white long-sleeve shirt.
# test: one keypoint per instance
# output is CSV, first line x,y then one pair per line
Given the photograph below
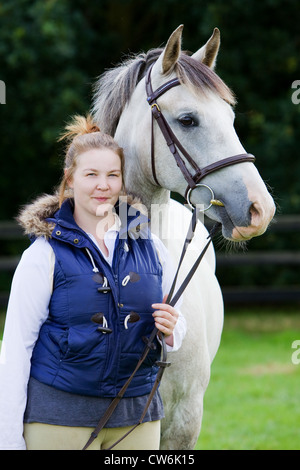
x,y
31,291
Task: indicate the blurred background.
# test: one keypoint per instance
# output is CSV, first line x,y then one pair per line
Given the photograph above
x,y
51,52
50,55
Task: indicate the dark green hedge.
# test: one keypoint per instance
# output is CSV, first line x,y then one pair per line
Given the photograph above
x,y
51,51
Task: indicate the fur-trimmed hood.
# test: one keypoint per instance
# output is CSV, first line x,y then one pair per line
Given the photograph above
x,y
33,217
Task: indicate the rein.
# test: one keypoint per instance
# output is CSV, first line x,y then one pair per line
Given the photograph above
x,y
193,182
163,364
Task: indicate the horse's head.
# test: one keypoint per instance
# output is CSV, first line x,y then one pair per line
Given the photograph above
x,y
200,113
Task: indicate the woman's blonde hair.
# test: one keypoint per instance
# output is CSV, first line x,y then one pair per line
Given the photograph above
x,y
81,135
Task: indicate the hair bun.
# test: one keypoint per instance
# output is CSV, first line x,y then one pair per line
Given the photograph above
x,y
95,128
79,125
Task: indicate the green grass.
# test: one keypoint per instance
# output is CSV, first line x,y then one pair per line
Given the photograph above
x,y
2,320
252,402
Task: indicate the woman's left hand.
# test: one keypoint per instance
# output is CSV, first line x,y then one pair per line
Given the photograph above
x,y
165,318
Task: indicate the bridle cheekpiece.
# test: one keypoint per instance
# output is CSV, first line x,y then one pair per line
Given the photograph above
x,y
175,146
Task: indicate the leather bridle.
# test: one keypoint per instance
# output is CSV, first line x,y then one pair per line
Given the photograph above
x,y
175,146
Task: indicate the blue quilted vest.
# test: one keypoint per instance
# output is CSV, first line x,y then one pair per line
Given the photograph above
x,y
74,352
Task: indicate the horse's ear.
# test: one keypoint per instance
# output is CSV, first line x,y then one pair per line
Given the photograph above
x,y
208,53
172,51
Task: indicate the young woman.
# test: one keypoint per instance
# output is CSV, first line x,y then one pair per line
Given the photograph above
x,y
86,292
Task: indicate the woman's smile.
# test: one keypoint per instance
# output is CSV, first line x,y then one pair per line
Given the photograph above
x,y
100,198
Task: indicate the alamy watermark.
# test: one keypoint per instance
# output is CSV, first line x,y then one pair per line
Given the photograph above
x,y
139,220
2,92
296,354
296,93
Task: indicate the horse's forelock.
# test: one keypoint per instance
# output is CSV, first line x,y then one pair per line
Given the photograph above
x,y
114,88
194,73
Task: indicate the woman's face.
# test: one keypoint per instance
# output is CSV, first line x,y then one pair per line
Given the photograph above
x,y
96,182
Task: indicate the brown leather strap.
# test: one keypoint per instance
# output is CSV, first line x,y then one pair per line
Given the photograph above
x,y
153,166
241,158
172,143
172,301
149,341
111,408
219,165
152,96
162,366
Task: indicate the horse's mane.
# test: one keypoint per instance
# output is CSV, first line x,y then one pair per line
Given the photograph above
x,y
114,88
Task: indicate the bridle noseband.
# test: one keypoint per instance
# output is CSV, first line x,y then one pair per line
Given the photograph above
x,y
174,145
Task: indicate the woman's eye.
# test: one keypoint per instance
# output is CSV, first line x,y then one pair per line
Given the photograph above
x,y
187,121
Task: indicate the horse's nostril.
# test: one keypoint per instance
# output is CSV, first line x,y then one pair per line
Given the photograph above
x,y
254,212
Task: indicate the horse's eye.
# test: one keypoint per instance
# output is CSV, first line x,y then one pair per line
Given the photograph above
x,y
187,121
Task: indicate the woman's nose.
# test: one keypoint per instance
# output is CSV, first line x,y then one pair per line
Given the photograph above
x,y
102,184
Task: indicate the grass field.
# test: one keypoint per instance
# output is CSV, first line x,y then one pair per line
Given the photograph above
x,y
252,402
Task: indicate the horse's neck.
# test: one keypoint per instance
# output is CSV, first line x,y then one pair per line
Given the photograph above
x,y
137,183
154,198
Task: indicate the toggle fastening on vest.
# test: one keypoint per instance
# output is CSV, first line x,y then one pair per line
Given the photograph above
x,y
72,353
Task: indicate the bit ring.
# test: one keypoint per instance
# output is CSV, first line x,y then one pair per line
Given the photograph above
x,y
188,197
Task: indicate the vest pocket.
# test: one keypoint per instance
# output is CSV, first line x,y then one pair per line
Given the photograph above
x,y
75,341
84,341
58,339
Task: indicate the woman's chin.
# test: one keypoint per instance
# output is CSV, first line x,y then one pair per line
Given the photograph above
x,y
104,209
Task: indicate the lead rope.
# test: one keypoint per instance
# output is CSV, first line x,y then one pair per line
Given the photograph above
x,y
149,341
192,271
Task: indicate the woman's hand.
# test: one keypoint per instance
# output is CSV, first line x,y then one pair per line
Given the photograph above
x,y
165,318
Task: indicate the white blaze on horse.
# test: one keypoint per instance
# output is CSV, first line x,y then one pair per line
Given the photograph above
x,y
200,113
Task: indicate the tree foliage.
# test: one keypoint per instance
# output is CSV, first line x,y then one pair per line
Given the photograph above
x,y
51,52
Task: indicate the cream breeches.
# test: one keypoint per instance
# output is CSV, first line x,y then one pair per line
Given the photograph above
x,y
40,436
